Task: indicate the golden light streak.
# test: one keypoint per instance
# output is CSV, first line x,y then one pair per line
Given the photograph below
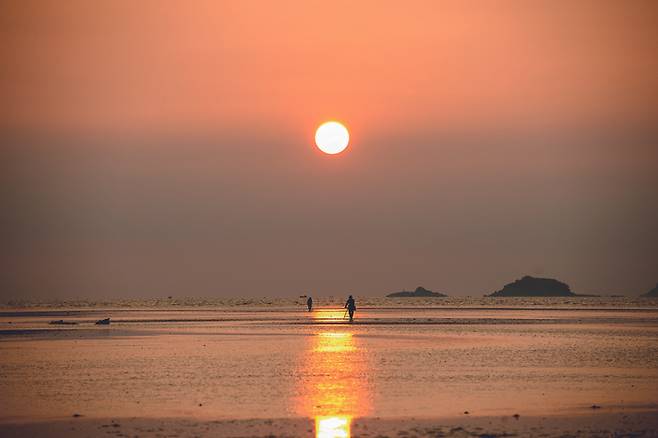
x,y
335,389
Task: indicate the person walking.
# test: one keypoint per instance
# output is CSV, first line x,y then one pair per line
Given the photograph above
x,y
309,303
350,305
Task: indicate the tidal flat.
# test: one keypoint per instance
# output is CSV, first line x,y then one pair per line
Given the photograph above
x,y
446,368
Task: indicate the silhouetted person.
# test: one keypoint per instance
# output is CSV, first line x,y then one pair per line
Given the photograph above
x,y
350,305
309,303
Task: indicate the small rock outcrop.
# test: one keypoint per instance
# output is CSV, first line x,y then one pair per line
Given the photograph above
x,y
419,292
62,322
652,293
535,287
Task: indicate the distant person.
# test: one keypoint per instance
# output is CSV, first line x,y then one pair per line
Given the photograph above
x,y
309,303
350,305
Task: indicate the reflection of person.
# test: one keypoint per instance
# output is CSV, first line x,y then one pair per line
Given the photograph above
x,y
350,305
309,303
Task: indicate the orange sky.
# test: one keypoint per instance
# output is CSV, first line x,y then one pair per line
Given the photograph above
x,y
127,65
498,138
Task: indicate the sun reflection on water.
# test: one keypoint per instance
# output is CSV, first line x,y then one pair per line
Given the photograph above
x,y
329,315
335,387
332,342
333,427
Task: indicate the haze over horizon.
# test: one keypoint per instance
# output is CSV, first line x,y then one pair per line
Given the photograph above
x,y
153,149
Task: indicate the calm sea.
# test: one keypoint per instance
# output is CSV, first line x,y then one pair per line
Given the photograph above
x,y
270,358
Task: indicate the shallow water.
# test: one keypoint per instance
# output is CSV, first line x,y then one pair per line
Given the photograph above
x,y
401,358
265,303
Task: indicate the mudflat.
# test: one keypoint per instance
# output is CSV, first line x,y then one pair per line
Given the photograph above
x,y
552,369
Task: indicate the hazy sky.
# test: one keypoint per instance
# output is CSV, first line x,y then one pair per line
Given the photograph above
x,y
154,148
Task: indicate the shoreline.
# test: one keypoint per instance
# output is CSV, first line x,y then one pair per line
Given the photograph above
x,y
392,373
599,423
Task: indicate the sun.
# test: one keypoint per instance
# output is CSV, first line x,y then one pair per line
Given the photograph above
x,y
332,137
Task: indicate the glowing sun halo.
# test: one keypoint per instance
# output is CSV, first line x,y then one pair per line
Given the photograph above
x,y
332,138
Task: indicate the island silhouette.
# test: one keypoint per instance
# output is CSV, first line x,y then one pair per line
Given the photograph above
x,y
419,292
652,293
534,287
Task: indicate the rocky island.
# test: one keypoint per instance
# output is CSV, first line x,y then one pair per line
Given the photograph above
x,y
652,293
419,292
534,287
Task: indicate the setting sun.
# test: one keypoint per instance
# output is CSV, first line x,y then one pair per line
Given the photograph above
x,y
331,219
332,137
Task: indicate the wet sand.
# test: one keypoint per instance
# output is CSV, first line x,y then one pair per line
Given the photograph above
x,y
594,425
281,371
